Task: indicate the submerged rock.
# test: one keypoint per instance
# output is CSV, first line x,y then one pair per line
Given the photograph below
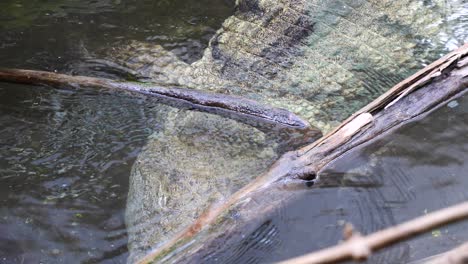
x,y
319,59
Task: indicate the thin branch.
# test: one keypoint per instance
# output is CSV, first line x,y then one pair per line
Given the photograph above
x,y
361,247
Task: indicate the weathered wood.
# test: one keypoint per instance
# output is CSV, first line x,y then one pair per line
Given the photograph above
x,y
235,107
423,92
387,112
418,79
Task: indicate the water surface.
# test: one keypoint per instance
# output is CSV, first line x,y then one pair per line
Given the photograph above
x,y
64,165
49,35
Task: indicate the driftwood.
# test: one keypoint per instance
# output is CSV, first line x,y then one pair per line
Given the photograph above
x,y
359,247
235,107
415,97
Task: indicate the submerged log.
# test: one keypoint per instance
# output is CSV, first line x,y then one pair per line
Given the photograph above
x,y
414,98
234,107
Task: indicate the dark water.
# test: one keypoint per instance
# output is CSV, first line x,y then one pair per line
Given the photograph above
x,y
49,35
418,169
65,156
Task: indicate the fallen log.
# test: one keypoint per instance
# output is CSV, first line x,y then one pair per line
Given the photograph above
x,y
415,97
234,107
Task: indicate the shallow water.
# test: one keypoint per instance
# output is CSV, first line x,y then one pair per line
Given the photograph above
x,y
65,162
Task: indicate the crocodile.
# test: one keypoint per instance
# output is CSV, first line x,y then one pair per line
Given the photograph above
x,y
321,60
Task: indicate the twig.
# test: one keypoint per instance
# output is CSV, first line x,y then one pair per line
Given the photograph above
x,y
361,247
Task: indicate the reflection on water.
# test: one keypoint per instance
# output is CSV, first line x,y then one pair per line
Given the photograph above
x,y
417,169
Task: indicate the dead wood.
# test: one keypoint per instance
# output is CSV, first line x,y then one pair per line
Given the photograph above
x,y
440,80
415,97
